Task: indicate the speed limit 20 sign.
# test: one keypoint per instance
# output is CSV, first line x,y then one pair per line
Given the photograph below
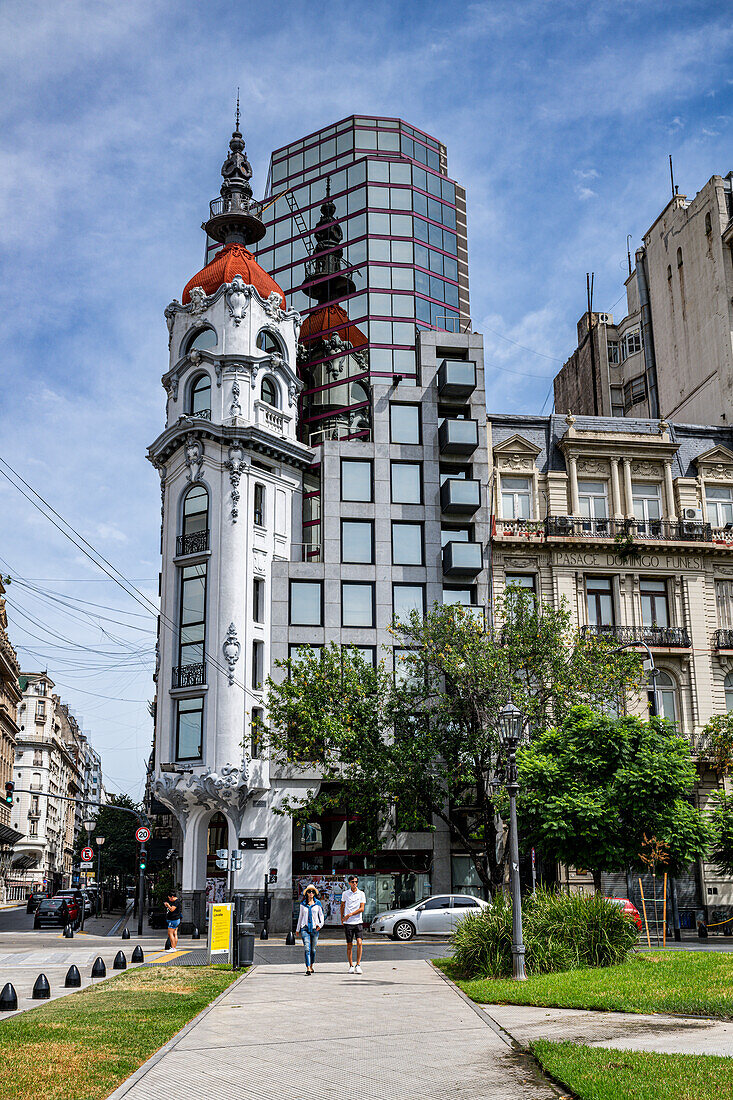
x,y
87,854
142,834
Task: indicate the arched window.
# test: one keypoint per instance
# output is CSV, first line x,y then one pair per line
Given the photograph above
x,y
202,338
194,537
663,701
269,343
199,403
270,393
728,683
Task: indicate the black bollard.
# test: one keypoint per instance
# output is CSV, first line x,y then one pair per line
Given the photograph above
x,y
264,934
99,970
195,934
73,978
125,933
8,999
290,939
41,990
120,962
137,955
68,932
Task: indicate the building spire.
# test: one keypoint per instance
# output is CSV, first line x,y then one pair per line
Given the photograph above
x,y
233,217
236,128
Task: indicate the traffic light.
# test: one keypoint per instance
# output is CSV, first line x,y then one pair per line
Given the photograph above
x,y
143,859
273,874
9,790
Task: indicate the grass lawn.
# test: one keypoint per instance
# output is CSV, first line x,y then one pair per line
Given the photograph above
x,y
698,983
597,1073
81,1047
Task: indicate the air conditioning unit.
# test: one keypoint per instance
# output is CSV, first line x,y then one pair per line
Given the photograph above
x,y
692,514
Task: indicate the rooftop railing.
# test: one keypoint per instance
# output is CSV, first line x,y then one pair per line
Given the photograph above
x,y
661,637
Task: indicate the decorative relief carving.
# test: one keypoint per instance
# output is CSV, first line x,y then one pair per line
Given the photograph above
x,y
272,307
719,472
226,790
259,561
194,356
592,466
197,303
194,452
231,650
253,369
237,297
235,407
170,318
521,563
515,462
292,392
235,466
646,469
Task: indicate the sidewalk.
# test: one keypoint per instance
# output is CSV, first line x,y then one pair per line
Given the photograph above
x,y
397,1032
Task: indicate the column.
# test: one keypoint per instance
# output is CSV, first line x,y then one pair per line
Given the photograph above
x,y
574,499
669,491
628,491
616,508
536,492
497,483
703,500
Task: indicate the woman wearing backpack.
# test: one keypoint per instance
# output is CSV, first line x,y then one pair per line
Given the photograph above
x,y
310,922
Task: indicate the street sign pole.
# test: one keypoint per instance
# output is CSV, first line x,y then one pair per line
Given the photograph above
x,y
140,891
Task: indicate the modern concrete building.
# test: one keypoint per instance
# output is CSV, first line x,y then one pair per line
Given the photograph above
x,y
563,490
277,532
672,355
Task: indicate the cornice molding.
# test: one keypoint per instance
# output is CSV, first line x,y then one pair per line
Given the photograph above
x,y
247,437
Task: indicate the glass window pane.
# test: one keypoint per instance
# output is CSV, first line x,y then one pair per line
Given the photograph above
x,y
357,604
406,483
463,596
305,603
190,726
407,598
407,544
357,541
404,423
356,479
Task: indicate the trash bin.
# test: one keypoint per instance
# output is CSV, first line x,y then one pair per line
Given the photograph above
x,y
245,944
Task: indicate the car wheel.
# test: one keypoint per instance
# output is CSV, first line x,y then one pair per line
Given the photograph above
x,y
404,930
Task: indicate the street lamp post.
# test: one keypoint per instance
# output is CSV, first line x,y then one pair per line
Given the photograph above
x,y
510,722
88,825
99,841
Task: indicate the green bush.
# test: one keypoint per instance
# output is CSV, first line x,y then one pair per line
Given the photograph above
x,y
561,932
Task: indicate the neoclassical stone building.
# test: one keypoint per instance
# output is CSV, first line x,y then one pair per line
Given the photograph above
x,y
10,697
631,522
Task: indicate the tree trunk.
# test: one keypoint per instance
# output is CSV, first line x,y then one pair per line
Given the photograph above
x,y
597,880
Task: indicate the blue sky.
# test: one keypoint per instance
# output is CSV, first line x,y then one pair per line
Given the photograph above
x,y
558,117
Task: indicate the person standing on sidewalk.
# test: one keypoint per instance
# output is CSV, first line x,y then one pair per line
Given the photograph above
x,y
173,909
353,901
310,923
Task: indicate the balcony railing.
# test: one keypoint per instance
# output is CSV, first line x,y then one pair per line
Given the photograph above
x,y
456,378
460,496
520,528
305,551
577,527
202,414
660,637
195,543
723,639
185,676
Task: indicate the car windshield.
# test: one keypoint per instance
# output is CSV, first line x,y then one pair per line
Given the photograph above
x,y
52,903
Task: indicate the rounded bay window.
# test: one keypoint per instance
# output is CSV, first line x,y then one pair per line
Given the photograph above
x,y
270,392
201,338
194,537
199,397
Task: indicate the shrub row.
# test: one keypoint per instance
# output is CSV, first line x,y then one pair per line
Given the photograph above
x,y
561,932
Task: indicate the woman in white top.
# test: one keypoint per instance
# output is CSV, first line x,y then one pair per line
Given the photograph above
x,y
310,923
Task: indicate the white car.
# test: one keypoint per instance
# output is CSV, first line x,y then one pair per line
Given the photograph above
x,y
436,916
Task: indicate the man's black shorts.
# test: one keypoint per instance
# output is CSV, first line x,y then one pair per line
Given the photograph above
x,y
354,931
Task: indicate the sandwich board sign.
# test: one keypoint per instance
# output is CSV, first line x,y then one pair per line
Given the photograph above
x,y
219,936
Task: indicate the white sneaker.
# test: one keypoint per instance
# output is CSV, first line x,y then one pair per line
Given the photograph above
x,y
351,969
358,970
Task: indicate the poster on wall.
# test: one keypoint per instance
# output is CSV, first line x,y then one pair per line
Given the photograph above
x,y
329,889
215,890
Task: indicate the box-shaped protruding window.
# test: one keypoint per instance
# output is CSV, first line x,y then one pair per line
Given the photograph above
x,y
456,378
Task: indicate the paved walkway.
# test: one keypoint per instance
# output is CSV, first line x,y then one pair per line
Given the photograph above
x,y
620,1030
397,1032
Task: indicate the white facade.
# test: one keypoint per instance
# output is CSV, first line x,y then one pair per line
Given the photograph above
x,y
242,450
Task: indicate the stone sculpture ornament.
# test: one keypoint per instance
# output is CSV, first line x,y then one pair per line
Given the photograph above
x,y
235,408
231,650
273,307
237,296
194,452
197,297
235,466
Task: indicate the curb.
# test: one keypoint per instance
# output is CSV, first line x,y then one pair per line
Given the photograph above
x,y
153,1060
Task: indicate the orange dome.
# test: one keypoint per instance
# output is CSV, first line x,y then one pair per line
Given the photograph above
x,y
323,320
234,259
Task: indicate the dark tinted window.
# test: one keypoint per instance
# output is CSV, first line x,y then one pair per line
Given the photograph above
x,y
437,903
464,903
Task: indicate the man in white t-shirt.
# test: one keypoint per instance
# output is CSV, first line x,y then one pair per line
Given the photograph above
x,y
353,901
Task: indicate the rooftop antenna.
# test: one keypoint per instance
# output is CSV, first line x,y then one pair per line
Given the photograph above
x,y
671,176
237,127
628,250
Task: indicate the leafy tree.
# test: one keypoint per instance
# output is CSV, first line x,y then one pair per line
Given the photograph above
x,y
593,787
403,749
716,742
721,851
120,850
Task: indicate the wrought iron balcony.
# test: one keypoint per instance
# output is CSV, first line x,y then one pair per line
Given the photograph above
x,y
458,437
658,637
520,529
456,378
460,496
195,543
462,559
185,676
656,530
723,639
202,414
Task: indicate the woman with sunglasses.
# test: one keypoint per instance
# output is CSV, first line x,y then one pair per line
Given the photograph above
x,y
310,922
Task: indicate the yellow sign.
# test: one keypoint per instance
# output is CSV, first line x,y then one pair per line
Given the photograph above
x,y
220,927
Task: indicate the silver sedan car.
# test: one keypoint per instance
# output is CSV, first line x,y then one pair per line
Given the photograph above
x,y
434,916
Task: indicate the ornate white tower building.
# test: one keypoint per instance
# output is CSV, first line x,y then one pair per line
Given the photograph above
x,y
231,468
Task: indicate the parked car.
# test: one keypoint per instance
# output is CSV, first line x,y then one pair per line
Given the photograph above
x,y
34,901
59,911
434,916
81,896
629,909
